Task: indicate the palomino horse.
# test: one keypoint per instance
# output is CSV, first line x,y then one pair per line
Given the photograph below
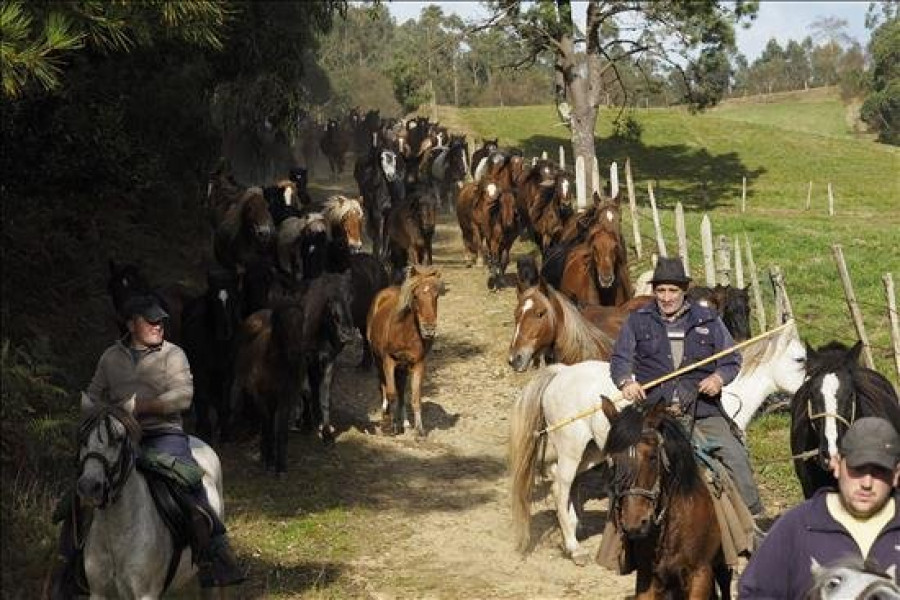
x,y
661,506
837,392
129,550
548,325
401,328
559,392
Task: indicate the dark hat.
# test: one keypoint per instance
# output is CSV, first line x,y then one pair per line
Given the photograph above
x,y
669,270
871,441
144,306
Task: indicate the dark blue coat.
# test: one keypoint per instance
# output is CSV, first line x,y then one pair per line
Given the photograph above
x,y
781,566
642,350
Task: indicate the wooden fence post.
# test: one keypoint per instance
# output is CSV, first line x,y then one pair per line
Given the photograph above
x,y
544,155
580,184
562,157
744,196
635,226
660,242
852,304
808,195
754,282
681,234
595,177
783,308
830,200
613,180
706,240
888,280
723,261
738,264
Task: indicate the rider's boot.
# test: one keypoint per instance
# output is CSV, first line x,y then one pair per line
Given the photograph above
x,y
218,566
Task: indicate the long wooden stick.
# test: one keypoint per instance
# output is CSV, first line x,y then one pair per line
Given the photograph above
x,y
664,378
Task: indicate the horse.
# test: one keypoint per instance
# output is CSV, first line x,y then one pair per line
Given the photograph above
x,y
661,506
380,177
402,325
302,246
837,392
409,230
497,221
467,204
488,147
558,392
548,325
129,550
593,272
210,324
126,280
446,168
852,578
334,144
732,304
246,231
344,217
368,277
527,273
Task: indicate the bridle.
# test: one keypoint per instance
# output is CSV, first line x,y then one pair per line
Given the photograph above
x,y
654,493
117,473
821,415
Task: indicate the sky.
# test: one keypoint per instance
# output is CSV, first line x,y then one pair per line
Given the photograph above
x,y
782,20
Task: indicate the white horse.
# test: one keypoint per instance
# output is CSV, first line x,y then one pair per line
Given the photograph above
x,y
128,547
559,392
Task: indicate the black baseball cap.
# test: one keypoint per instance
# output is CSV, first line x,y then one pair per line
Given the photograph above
x,y
871,441
147,307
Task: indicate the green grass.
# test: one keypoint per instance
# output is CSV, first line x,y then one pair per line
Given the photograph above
x,y
699,161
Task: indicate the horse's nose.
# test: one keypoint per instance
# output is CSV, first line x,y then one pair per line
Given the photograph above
x,y
517,362
429,330
90,490
824,459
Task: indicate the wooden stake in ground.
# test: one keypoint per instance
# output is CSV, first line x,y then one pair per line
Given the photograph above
x,y
595,177
888,280
635,226
809,195
562,157
744,196
723,261
580,184
681,234
738,264
754,283
706,241
783,309
852,304
613,180
830,201
660,242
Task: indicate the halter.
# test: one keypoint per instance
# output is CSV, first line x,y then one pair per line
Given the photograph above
x,y
813,416
653,493
116,473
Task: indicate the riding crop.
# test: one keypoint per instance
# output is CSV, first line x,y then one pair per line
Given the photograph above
x,y
673,374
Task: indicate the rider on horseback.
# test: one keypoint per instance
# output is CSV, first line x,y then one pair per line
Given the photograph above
x,y
156,373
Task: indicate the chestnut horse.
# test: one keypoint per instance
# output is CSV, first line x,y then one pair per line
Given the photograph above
x,y
661,507
596,271
496,219
467,203
548,325
401,327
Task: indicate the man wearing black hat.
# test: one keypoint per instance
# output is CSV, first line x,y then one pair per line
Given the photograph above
x,y
859,519
672,333
157,374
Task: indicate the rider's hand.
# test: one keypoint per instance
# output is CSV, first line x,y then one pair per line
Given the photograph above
x,y
711,386
633,392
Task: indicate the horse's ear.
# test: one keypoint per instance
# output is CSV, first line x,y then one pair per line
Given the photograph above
x,y
543,286
409,271
855,352
810,351
86,402
655,415
609,408
597,199
442,288
815,569
130,404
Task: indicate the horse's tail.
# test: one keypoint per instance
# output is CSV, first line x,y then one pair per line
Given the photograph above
x,y
524,446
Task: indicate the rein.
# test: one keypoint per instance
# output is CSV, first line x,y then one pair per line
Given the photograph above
x,y
116,473
653,494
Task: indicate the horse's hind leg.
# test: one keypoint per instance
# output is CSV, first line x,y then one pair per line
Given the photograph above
x,y
400,419
326,378
418,374
564,475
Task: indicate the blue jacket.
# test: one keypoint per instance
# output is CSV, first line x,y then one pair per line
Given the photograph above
x,y
781,566
642,350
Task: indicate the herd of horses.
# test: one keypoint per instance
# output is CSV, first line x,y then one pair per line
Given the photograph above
x,y
292,286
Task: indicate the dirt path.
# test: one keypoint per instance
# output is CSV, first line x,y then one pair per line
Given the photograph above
x,y
434,514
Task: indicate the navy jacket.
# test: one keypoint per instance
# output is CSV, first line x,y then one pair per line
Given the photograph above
x,y
642,350
781,566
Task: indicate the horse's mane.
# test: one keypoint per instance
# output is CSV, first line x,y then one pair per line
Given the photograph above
x,y
91,417
337,207
410,283
760,352
578,338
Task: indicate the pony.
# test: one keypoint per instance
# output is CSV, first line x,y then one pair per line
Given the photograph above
x,y
593,272
246,232
210,324
488,147
467,204
129,552
344,217
548,325
127,279
852,578
380,177
409,230
558,392
335,143
732,304
302,245
837,392
661,506
446,168
497,221
401,328
368,277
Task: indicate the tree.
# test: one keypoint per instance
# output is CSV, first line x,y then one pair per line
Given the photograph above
x,y
881,109
691,36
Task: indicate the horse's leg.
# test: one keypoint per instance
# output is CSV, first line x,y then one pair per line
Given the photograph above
x,y
722,574
267,435
563,476
400,418
699,585
388,392
418,374
327,376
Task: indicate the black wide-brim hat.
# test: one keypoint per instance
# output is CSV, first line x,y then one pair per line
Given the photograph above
x,y
670,270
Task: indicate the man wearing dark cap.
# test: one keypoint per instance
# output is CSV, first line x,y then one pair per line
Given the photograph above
x,y
859,519
156,372
672,333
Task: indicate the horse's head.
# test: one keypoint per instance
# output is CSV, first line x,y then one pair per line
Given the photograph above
x,y
607,214
535,328
419,292
830,396
256,218
300,177
456,160
347,215
604,246
223,302
426,210
564,190
390,165
852,578
108,435
736,311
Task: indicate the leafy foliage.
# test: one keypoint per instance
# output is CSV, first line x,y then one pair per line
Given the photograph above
x,y
881,109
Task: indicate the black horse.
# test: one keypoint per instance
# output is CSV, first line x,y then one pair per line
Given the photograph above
x,y
368,278
209,325
837,392
380,177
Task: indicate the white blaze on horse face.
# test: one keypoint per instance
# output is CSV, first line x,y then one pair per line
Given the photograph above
x,y
492,190
389,165
288,195
223,298
529,304
209,187
609,216
830,385
565,188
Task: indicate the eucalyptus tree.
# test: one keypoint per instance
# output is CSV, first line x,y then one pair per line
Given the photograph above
x,y
692,37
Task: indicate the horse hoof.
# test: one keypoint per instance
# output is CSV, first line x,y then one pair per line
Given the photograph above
x,y
581,557
397,430
420,435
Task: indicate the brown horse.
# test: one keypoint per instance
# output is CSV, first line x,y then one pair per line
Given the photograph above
x,y
611,318
467,203
496,220
246,232
409,228
401,327
344,217
661,507
334,144
548,325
